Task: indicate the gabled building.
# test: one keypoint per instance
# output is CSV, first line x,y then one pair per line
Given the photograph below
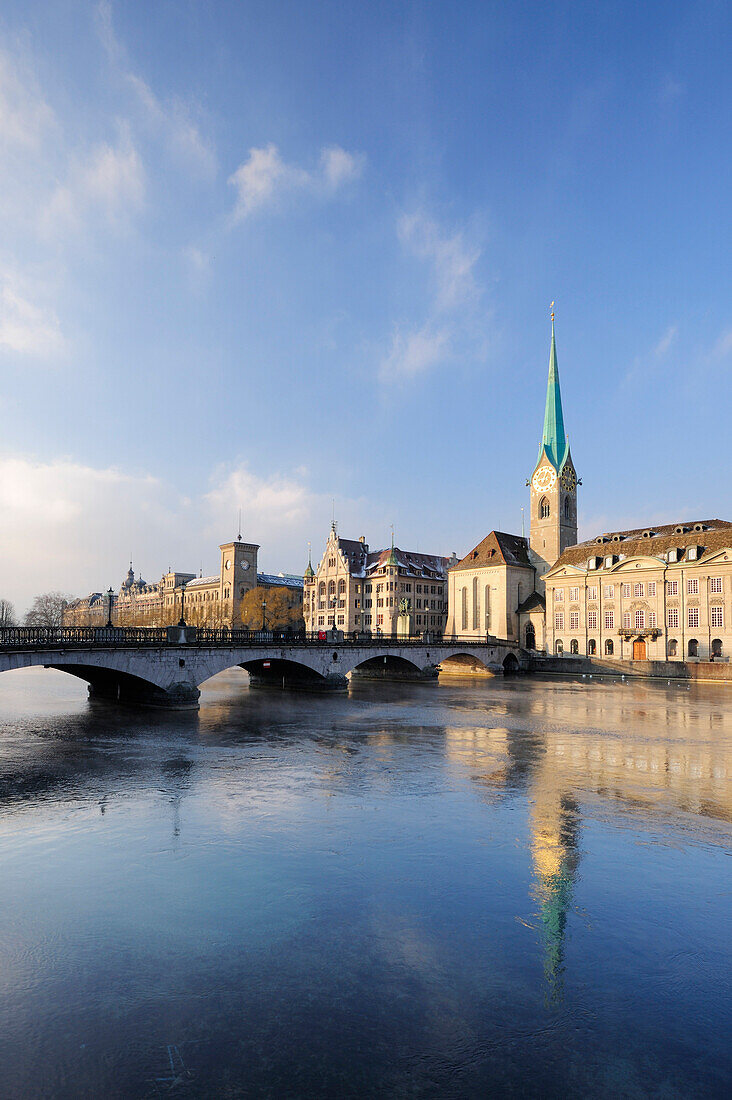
x,y
487,587
390,591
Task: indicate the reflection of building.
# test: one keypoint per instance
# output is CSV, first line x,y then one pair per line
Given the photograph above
x,y
554,835
214,601
392,591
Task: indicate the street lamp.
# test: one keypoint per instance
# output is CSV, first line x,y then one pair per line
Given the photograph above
x,y
334,603
264,614
182,598
110,594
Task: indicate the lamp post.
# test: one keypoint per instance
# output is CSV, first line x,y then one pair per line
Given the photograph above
x,y
264,614
182,598
110,594
334,604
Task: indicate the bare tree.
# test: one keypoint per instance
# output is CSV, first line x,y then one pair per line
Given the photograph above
x,y
7,614
47,610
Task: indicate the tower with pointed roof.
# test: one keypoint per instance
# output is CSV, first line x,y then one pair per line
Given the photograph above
x,y
553,484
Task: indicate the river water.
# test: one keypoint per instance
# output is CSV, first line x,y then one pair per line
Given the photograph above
x,y
471,889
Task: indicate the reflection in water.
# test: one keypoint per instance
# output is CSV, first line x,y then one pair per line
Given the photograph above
x,y
376,895
554,829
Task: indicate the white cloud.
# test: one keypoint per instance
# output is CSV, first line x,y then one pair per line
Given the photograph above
x,y
452,259
109,182
27,327
413,353
24,114
450,320
265,177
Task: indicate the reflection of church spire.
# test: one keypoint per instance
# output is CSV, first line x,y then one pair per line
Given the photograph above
x,y
555,856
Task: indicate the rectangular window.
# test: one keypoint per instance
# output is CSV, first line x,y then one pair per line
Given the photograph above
x,y
693,616
717,614
573,595
559,620
321,620
638,590
592,620
574,620
625,590
651,588
652,618
609,620
673,617
626,620
609,591
715,584
692,586
558,595
640,620
592,592
672,588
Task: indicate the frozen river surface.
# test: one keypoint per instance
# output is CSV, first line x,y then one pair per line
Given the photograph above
x,y
469,889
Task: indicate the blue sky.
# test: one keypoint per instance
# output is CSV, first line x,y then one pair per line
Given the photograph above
x,y
270,254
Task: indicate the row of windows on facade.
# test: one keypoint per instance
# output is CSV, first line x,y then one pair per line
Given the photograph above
x,y
382,586
429,620
640,619
640,588
436,605
672,648
673,556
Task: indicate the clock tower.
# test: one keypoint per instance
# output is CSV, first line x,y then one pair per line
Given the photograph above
x,y
553,484
238,576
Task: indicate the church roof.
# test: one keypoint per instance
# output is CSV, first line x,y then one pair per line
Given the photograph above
x,y
652,541
554,438
497,548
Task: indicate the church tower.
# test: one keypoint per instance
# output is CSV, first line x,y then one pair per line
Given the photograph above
x,y
553,483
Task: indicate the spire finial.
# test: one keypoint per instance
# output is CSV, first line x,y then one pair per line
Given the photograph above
x,y
551,310
239,535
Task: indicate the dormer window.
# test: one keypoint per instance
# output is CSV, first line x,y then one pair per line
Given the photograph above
x,y
672,556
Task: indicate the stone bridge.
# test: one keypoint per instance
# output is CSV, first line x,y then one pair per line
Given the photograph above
x,y
166,667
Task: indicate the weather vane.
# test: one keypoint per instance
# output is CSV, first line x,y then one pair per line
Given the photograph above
x,y
552,309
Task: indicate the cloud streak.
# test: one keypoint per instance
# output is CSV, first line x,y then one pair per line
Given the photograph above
x,y
27,327
415,350
264,178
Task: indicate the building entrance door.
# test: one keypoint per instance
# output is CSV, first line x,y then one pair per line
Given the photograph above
x,y
639,651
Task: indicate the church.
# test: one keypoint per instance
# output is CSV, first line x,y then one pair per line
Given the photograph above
x,y
655,593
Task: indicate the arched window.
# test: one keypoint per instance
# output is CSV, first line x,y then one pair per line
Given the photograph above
x,y
487,608
693,647
574,646
530,636
331,588
476,605
559,647
716,647
567,508
592,647
464,609
673,647
321,590
543,508
609,647
341,588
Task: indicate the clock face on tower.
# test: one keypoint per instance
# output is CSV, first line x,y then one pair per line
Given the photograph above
x,y
544,479
569,478
244,565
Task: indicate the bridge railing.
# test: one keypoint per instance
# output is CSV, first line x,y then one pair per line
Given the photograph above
x,y
84,637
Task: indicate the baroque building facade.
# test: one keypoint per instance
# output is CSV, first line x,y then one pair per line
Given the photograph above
x,y
390,591
202,601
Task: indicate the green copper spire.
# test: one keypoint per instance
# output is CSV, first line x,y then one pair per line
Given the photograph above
x,y
392,559
554,440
